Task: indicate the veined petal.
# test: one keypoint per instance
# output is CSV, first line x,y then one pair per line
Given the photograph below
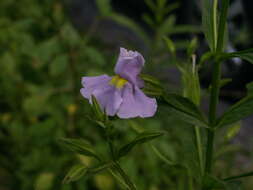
x,y
109,98
136,104
92,83
129,65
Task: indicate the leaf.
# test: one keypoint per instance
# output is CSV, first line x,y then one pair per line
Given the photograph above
x,y
70,35
250,88
208,23
185,109
233,131
248,174
58,65
162,156
80,146
118,178
100,116
237,112
44,181
223,82
211,182
192,47
244,54
190,80
104,7
222,28
75,173
150,79
140,139
234,185
125,21
170,45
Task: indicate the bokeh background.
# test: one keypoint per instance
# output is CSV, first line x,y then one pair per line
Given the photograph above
x,y
47,46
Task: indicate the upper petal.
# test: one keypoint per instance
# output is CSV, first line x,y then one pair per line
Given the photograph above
x,y
129,65
136,104
92,83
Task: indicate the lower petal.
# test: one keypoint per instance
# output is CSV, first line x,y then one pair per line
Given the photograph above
x,y
109,98
136,104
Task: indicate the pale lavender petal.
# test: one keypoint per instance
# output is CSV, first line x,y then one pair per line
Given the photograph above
x,y
92,83
129,65
136,104
109,98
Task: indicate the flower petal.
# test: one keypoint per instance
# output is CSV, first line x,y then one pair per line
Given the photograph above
x,y
92,83
109,98
129,65
135,103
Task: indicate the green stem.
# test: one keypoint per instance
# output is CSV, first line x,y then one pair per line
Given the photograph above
x,y
215,84
215,6
199,148
212,115
124,176
116,166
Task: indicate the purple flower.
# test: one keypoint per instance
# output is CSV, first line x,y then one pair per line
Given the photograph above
x,y
121,95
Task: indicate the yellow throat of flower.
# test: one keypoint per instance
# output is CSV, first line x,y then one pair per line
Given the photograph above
x,y
118,82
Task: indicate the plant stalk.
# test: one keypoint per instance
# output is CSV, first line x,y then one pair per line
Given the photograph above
x,y
124,176
216,76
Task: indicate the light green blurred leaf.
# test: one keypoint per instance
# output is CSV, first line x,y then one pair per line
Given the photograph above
x,y
75,173
141,138
80,146
125,21
233,131
104,7
44,181
70,35
58,65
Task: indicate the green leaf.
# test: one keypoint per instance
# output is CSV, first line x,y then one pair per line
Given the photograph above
x,y
58,65
162,156
238,111
222,28
192,47
248,174
250,88
233,131
125,21
80,146
223,82
104,7
170,45
100,116
244,54
140,139
44,181
234,185
75,173
208,23
185,109
150,79
211,182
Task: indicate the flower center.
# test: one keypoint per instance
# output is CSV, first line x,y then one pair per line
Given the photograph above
x,y
118,81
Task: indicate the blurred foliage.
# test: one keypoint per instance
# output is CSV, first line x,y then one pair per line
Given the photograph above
x,y
42,60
